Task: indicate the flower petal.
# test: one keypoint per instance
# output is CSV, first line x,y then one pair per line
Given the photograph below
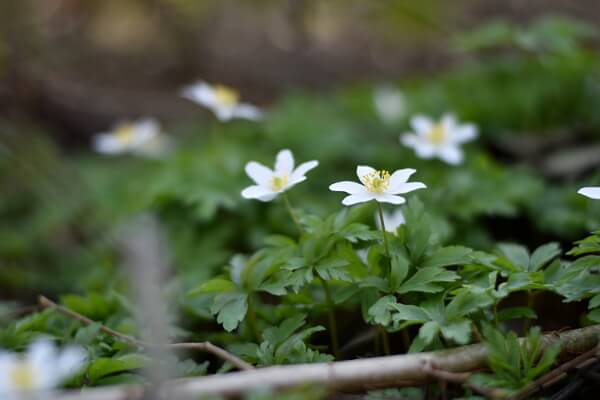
x,y
284,163
302,169
464,133
69,362
256,191
348,187
363,170
357,198
410,140
400,176
390,198
247,111
421,124
407,187
449,122
106,143
259,173
591,192
453,155
200,92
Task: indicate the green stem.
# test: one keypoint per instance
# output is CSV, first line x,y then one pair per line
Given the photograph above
x,y
384,233
406,339
526,321
290,210
332,321
385,339
252,319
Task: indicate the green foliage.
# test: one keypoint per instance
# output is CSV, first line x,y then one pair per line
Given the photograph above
x,y
515,364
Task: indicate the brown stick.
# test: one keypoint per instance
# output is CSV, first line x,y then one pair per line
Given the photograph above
x,y
555,375
463,379
201,346
390,371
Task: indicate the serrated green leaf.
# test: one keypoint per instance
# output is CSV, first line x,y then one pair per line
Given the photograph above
x,y
230,308
447,256
427,280
217,285
543,255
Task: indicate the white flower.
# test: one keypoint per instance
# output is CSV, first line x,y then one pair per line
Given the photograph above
x,y
269,183
142,137
389,103
439,139
377,185
591,192
222,100
42,368
391,220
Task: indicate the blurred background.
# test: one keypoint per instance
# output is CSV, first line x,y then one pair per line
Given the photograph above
x,y
526,71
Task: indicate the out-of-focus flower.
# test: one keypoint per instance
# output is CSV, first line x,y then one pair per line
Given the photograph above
x,y
389,104
42,368
441,139
593,192
270,183
143,137
221,100
377,185
391,220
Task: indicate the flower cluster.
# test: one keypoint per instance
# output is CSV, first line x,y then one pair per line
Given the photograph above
x,y
42,368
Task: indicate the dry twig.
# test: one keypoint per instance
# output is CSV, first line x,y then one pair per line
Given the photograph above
x,y
201,346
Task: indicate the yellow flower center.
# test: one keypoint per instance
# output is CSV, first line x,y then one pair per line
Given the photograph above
x,y
377,181
21,375
437,134
226,95
125,133
279,182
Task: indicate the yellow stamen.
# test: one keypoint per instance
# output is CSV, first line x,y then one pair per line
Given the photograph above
x,y
279,182
437,134
377,181
22,376
226,95
125,133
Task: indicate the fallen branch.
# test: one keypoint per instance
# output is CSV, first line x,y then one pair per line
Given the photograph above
x,y
201,346
390,371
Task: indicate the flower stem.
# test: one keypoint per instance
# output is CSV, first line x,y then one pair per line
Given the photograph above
x,y
383,231
332,321
385,339
290,210
252,319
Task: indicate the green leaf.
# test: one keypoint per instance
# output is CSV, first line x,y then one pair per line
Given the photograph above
x,y
399,270
427,280
86,335
230,308
102,367
217,285
458,331
446,256
516,312
543,255
516,254
381,311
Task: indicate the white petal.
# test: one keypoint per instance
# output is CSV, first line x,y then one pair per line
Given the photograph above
x,y
425,150
451,154
70,361
407,187
247,111
200,92
294,182
284,163
363,170
449,122
267,197
390,198
256,191
7,360
357,198
42,356
389,104
591,192
259,173
348,187
410,140
464,133
399,177
392,220
421,124
302,170
106,143
224,113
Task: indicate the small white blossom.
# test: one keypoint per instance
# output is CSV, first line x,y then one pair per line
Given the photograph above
x,y
223,101
377,185
270,183
439,139
42,368
389,104
143,137
593,192
391,220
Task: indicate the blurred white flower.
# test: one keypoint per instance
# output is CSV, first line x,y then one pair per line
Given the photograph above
x,y
377,185
270,183
391,220
389,103
143,137
221,100
593,192
439,139
42,368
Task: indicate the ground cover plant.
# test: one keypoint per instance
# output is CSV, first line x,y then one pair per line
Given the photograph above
x,y
371,221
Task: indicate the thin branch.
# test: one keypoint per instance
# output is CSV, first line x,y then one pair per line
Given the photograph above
x,y
555,375
380,372
463,379
201,346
